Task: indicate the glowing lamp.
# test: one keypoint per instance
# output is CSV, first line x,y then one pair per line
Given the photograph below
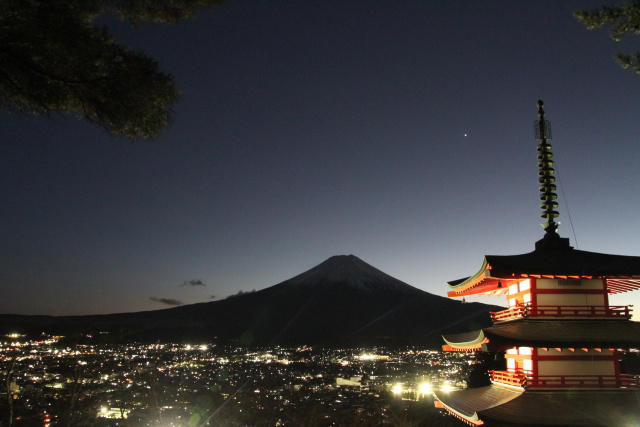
x,y
425,388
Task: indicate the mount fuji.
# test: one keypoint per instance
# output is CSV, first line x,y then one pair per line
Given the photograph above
x,y
346,271
341,302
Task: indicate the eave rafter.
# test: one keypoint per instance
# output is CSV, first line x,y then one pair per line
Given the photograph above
x,y
555,276
462,347
617,285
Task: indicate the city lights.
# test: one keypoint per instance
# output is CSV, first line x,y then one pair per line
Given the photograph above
x,y
278,381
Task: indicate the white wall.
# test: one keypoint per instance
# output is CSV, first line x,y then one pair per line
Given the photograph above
x,y
576,367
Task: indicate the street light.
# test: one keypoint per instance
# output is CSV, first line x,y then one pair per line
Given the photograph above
x,y
397,389
425,388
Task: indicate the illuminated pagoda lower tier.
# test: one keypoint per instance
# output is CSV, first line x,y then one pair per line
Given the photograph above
x,y
560,336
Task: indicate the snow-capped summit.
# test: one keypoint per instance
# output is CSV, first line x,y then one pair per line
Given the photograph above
x,y
347,271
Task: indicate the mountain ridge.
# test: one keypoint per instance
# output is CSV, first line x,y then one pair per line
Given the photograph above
x,y
342,301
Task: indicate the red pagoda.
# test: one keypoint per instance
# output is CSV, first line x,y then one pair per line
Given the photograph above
x,y
560,337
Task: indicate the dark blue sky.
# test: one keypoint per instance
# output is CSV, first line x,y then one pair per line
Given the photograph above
x,y
308,129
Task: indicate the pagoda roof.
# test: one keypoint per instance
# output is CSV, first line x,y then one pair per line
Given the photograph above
x,y
557,260
550,334
465,341
561,407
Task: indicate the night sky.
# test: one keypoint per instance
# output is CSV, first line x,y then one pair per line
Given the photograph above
x,y
397,131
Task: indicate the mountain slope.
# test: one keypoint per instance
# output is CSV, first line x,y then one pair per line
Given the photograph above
x,y
341,302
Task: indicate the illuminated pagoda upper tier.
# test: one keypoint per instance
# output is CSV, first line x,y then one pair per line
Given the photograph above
x,y
560,336
621,272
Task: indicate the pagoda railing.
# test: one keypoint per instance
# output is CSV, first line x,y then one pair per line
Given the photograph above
x,y
528,380
517,379
560,311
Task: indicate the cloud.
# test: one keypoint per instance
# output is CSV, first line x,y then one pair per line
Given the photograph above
x,y
193,282
168,301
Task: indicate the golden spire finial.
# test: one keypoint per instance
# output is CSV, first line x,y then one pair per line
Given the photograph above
x,y
546,173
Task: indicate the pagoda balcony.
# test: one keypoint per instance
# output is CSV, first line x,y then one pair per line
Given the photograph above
x,y
528,381
562,311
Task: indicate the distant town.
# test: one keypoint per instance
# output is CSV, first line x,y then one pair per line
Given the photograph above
x,y
52,381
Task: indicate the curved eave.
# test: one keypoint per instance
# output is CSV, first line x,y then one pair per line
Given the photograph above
x,y
485,281
467,405
467,341
472,419
472,285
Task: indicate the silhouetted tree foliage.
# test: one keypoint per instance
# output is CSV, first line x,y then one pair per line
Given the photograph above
x,y
8,377
54,59
623,20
